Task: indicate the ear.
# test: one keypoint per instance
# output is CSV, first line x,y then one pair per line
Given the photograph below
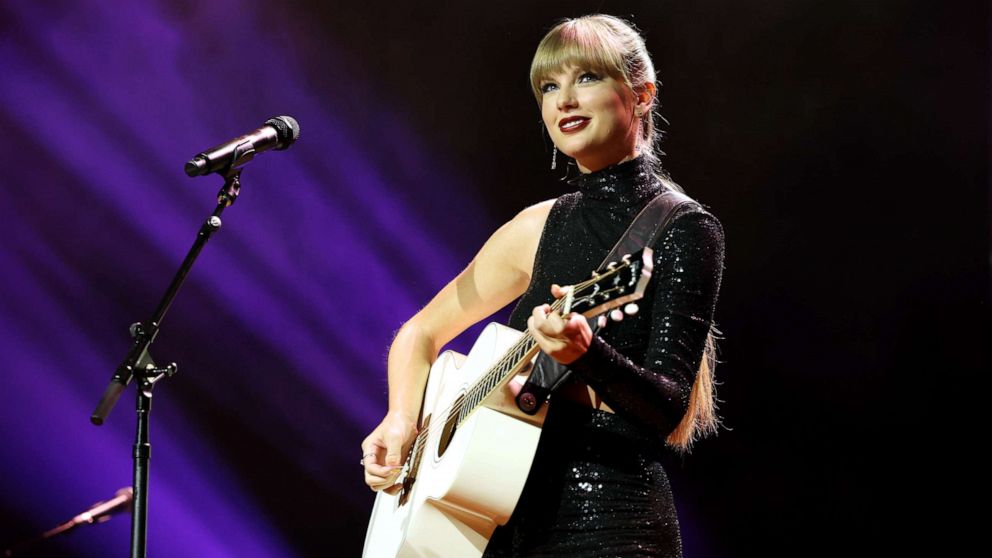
x,y
644,98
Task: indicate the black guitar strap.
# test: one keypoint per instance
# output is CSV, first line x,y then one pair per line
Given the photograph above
x,y
548,374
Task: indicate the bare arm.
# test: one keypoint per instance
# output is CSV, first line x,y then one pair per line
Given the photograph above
x,y
498,274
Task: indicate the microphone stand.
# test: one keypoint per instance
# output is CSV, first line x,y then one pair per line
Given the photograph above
x,y
139,365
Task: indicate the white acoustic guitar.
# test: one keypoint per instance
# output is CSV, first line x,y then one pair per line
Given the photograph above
x,y
467,467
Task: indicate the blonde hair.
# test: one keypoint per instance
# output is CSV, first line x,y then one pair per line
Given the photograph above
x,y
605,44
614,47
700,419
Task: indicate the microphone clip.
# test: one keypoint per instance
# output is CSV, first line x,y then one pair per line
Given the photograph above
x,y
228,193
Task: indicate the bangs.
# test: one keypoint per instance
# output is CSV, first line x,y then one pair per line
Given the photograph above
x,y
576,43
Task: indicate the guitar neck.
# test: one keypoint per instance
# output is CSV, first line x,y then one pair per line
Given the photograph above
x,y
619,283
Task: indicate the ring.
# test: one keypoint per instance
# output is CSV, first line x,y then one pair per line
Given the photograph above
x,y
362,460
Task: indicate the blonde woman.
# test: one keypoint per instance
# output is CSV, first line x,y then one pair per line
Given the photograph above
x,y
639,387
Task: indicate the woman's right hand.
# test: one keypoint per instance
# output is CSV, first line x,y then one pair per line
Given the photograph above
x,y
384,451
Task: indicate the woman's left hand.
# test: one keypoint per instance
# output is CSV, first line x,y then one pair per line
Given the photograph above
x,y
564,340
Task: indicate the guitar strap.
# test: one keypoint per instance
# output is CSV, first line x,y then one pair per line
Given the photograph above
x,y
548,374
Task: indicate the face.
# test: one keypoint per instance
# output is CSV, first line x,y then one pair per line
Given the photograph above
x,y
590,117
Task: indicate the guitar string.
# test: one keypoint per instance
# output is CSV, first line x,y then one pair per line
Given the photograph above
x,y
485,385
496,370
516,353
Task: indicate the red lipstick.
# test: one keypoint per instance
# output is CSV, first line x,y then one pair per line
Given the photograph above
x,y
571,124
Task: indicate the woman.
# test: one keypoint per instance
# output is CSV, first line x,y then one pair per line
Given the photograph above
x,y
596,487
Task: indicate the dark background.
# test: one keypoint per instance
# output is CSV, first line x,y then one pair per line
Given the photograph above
x,y
844,146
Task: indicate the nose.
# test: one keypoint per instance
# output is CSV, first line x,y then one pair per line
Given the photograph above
x,y
566,98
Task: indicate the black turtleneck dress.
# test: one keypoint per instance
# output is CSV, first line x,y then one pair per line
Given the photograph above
x,y
597,487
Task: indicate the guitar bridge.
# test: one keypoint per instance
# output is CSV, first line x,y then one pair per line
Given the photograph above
x,y
406,489
416,453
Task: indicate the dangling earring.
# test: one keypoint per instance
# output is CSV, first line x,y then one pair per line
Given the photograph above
x,y
554,157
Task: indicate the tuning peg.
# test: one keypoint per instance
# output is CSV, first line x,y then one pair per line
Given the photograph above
x,y
625,259
595,275
612,266
616,315
631,309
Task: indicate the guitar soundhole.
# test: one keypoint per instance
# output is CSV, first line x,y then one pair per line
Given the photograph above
x,y
450,425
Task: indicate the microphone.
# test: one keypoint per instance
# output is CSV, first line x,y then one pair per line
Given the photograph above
x,y
278,133
98,513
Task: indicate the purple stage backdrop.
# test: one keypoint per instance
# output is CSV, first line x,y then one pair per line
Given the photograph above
x,y
844,145
281,330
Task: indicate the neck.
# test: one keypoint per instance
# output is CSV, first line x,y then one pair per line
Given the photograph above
x,y
588,165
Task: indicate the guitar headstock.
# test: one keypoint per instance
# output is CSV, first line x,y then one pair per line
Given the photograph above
x,y
621,283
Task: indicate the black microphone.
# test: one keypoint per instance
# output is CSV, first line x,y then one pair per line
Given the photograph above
x,y
278,133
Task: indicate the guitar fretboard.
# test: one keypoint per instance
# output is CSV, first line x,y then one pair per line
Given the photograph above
x,y
619,283
514,359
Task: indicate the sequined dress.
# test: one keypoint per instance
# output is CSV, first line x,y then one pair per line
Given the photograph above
x,y
597,487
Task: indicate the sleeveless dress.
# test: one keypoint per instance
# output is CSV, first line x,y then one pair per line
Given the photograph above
x,y
597,487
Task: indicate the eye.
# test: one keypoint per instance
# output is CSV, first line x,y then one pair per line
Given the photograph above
x,y
588,77
548,87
